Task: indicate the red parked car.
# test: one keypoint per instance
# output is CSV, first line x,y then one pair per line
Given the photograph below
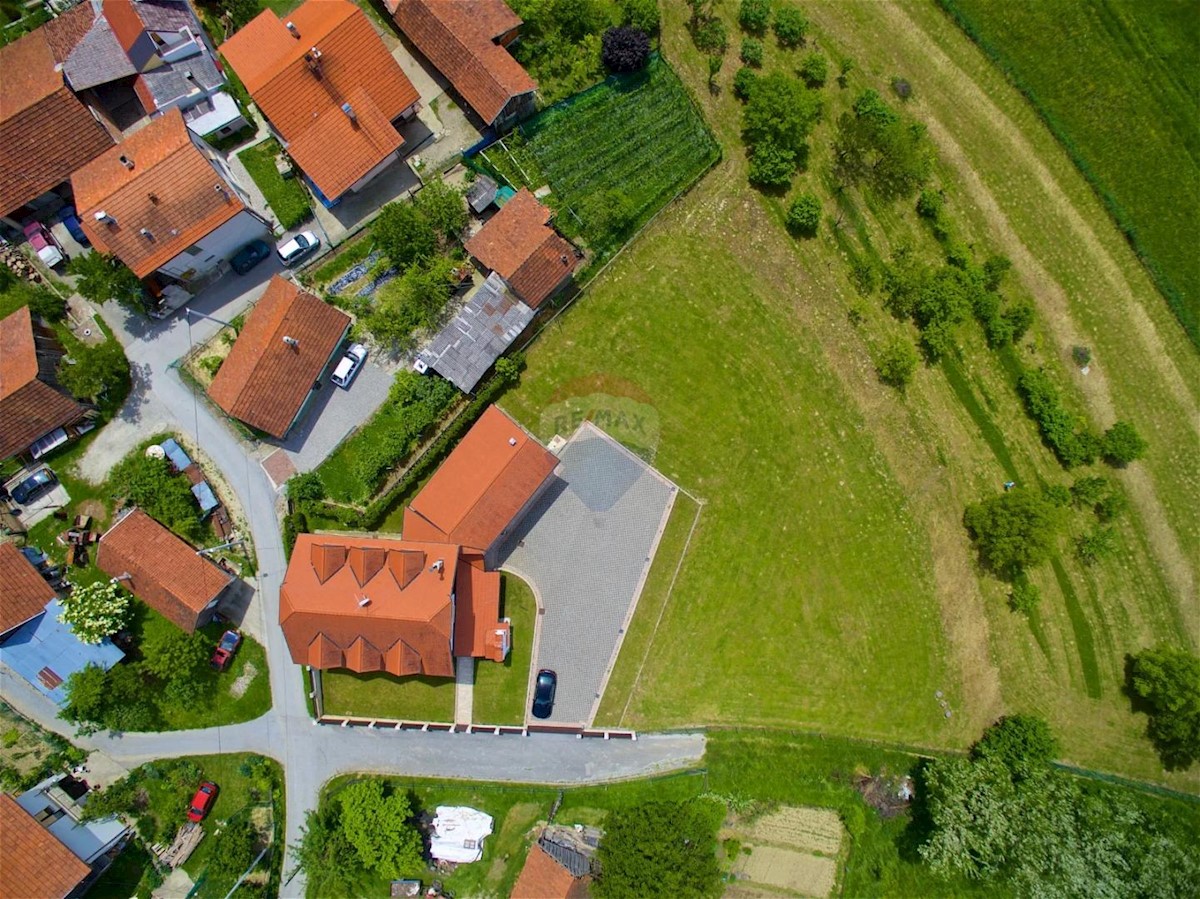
x,y
223,655
202,802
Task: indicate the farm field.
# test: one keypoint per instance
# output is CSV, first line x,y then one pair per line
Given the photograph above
x,y
829,583
1100,72
612,155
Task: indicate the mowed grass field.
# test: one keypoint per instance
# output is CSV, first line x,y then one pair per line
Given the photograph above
x,y
1120,84
829,583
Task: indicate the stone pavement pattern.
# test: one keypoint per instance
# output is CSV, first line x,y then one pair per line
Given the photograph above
x,y
586,546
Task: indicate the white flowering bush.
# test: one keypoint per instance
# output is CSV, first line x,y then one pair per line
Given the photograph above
x,y
94,611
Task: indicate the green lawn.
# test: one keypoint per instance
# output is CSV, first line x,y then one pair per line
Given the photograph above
x,y
1100,73
500,688
384,696
286,197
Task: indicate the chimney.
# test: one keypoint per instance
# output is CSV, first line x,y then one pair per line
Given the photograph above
x,y
104,218
127,162
364,602
292,342
291,26
512,441
154,199
439,566
146,234
189,76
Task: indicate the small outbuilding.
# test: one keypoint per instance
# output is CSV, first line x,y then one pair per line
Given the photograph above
x,y
458,834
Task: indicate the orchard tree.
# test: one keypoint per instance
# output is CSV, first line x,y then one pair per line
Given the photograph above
x,y
624,49
875,144
376,822
1167,681
897,363
743,82
752,52
1013,531
94,371
1022,743
103,277
804,215
790,26
641,14
814,69
94,611
404,234
1122,444
660,849
776,122
443,207
754,16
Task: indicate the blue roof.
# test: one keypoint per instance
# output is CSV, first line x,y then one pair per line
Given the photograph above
x,y
46,646
176,454
204,496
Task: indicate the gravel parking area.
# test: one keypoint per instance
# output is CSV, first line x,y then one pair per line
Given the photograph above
x,y
586,548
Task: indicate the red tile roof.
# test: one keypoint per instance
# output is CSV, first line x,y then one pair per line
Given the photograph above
x,y
544,878
265,381
519,243
478,631
459,39
408,624
173,191
29,406
25,592
65,31
33,861
482,486
165,571
46,133
304,103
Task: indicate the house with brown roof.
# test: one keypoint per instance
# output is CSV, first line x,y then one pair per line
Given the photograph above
x,y
330,90
163,570
166,204
46,132
520,245
35,861
279,358
378,603
467,41
483,489
544,878
25,592
36,412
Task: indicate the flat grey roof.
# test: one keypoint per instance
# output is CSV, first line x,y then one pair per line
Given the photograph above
x,y
466,348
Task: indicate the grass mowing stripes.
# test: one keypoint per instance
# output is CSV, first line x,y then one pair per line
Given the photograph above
x,y
1117,84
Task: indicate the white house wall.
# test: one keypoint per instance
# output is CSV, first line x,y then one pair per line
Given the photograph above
x,y
216,246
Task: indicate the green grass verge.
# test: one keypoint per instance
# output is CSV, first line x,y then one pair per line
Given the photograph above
x,y
500,688
132,874
1098,73
384,696
286,197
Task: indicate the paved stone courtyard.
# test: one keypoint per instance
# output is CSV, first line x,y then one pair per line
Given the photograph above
x,y
586,547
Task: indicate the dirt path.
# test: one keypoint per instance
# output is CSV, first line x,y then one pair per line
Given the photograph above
x,y
1052,298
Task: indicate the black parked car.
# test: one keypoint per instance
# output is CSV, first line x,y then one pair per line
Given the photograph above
x,y
543,693
249,256
40,482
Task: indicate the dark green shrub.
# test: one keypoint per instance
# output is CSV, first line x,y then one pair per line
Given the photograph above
x,y
1098,543
754,16
641,14
711,37
929,204
814,69
897,362
1070,440
790,26
752,52
743,82
1024,596
804,215
1123,444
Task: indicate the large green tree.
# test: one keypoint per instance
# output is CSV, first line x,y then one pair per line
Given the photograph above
x,y
1167,680
444,207
94,611
1022,743
376,820
878,146
94,371
103,278
660,849
777,119
404,234
1013,531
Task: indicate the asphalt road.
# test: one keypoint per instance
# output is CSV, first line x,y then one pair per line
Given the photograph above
x,y
311,754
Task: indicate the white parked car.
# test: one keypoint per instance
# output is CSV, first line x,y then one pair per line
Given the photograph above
x,y
297,248
349,366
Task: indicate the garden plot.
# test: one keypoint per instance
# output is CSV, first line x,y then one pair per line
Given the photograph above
x,y
792,849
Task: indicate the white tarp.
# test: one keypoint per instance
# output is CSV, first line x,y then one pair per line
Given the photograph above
x,y
458,833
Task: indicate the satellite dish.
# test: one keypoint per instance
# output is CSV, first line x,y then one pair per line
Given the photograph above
x,y
154,451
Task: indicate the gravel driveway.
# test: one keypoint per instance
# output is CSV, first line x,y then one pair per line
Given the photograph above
x,y
586,548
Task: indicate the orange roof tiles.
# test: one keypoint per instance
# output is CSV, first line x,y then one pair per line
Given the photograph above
x,y
172,191
303,98
458,37
482,486
478,631
164,570
35,862
377,604
265,381
29,407
544,878
45,131
25,592
519,243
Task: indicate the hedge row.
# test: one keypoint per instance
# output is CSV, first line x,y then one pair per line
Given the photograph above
x,y
1070,439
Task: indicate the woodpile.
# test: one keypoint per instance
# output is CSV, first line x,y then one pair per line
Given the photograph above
x,y
20,265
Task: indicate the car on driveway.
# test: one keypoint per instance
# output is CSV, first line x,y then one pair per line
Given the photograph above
x,y
543,693
223,655
44,244
292,251
349,366
249,256
71,222
202,802
40,482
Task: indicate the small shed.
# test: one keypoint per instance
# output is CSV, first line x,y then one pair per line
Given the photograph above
x,y
46,652
205,497
481,193
178,458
